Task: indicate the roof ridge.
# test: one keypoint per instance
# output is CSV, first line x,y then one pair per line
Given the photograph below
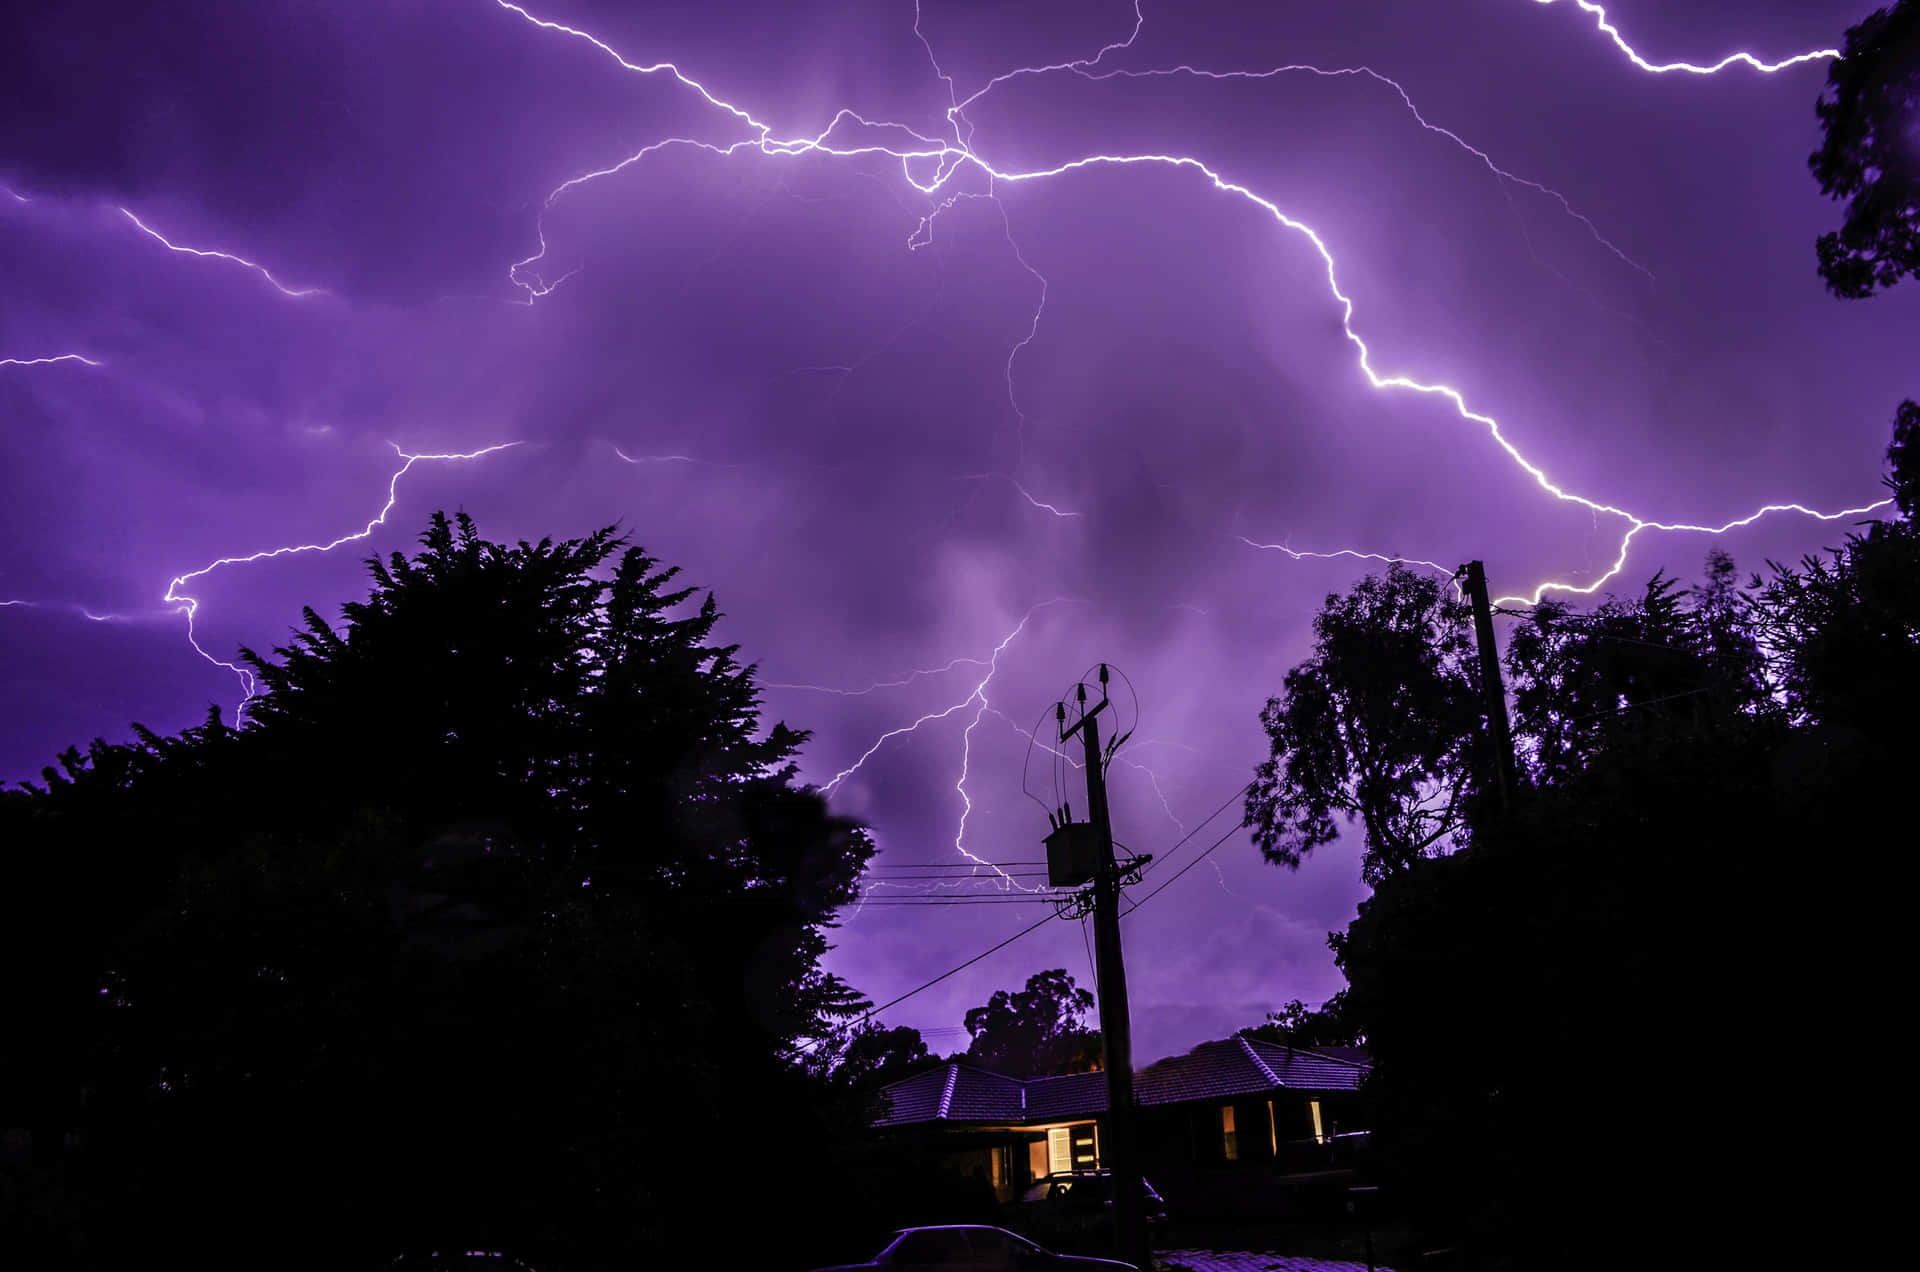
x,y
1323,1055
946,1096
1272,1077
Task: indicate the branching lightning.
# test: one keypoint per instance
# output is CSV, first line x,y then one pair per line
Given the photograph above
x,y
188,604
976,699
934,168
1401,92
950,158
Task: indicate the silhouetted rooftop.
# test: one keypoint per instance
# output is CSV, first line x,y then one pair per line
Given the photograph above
x,y
957,1092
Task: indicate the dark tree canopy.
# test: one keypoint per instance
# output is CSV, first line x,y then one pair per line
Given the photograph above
x,y
1298,1025
872,1057
1035,1032
1903,457
1871,154
499,920
1374,726
1714,802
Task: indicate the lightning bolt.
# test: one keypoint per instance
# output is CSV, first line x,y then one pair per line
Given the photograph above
x,y
296,293
977,699
49,360
939,164
1153,779
952,158
659,459
1301,555
1026,494
184,602
1612,32
908,679
1407,101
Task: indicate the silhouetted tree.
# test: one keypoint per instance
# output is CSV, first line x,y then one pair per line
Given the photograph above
x,y
1037,1031
1298,1025
1702,768
872,1057
499,921
1375,726
1871,154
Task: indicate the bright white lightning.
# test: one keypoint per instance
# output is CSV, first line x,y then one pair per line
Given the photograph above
x,y
1420,119
1026,494
46,361
1301,555
294,292
185,603
952,158
908,679
1612,32
977,699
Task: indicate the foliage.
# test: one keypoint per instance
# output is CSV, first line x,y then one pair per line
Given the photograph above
x,y
1870,156
1631,674
498,921
1584,1020
872,1057
1903,457
1035,1032
1298,1025
1374,726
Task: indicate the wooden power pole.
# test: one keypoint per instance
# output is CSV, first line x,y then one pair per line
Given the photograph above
x,y
1499,737
1116,1036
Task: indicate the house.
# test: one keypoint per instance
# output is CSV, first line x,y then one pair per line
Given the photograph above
x,y
1234,1127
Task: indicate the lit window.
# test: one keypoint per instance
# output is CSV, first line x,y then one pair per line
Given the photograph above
x,y
1086,1147
1059,1151
1227,1136
1319,1130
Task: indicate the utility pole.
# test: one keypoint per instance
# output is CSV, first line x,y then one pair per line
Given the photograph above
x,y
1499,737
1116,1040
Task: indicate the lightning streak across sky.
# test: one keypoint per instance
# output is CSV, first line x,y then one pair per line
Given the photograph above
x,y
977,699
1612,32
296,293
942,171
951,158
186,603
47,361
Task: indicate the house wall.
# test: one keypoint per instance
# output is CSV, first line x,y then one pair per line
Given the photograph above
x,y
1272,1165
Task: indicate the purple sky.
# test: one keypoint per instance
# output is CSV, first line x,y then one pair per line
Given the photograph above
x,y
889,409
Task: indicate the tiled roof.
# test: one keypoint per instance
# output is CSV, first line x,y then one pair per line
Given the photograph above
x,y
1307,1070
915,1099
957,1092
980,1096
1352,1055
1071,1095
1211,1071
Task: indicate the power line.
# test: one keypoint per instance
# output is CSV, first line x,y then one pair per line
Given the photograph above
x,y
952,865
1035,927
1190,865
1198,827
1093,968
994,900
947,877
